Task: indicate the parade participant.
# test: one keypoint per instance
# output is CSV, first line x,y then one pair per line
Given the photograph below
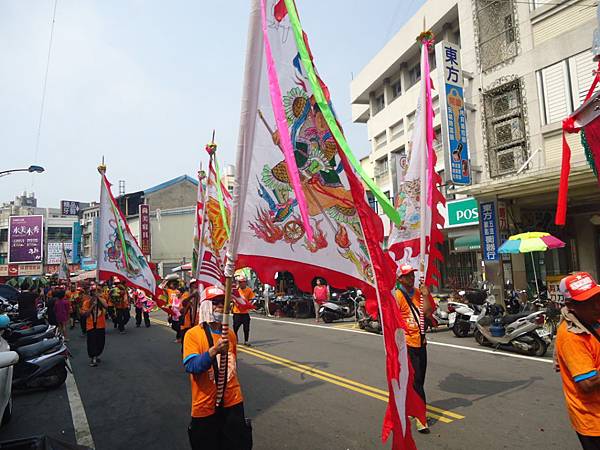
x,y
143,306
72,296
410,302
320,296
189,310
171,296
578,356
241,310
61,312
120,298
223,426
94,310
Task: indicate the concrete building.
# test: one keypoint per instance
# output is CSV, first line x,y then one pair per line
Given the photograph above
x,y
526,66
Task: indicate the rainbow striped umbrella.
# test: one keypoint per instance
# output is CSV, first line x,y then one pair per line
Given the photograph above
x,y
533,241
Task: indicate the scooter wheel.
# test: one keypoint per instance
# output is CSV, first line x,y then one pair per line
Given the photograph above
x,y
460,330
481,340
327,318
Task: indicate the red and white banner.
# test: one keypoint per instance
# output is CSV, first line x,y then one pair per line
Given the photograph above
x,y
145,240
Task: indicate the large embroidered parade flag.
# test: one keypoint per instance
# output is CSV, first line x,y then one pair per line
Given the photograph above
x,y
198,219
286,106
416,240
63,268
216,216
118,251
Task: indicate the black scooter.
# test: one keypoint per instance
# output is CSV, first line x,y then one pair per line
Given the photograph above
x,y
42,365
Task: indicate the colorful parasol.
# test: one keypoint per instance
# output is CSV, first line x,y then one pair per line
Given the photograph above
x,y
533,241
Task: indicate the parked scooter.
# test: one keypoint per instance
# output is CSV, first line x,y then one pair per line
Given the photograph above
x,y
41,365
341,306
523,332
464,315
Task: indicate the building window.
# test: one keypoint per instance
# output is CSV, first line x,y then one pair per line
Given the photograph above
x,y
505,129
411,121
379,103
372,201
380,140
397,130
414,74
4,235
496,31
381,168
564,85
3,258
59,233
396,89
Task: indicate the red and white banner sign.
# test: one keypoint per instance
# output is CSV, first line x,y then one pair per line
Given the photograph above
x,y
145,242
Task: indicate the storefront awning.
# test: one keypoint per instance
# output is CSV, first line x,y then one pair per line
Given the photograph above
x,y
467,243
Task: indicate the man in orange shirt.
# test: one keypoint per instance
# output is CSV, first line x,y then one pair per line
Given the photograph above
x,y
189,310
578,356
242,307
215,425
93,312
411,302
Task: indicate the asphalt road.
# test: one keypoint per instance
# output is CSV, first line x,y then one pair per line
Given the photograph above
x,y
305,387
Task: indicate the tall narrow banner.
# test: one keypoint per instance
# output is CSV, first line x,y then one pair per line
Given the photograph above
x,y
214,239
145,237
198,220
63,268
416,241
118,251
268,233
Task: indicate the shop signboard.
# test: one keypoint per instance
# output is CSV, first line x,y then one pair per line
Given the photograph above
x,y
28,270
88,264
3,270
453,116
462,213
25,239
13,270
70,208
553,286
489,230
76,244
145,229
55,252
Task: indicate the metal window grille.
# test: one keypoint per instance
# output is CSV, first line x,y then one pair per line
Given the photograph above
x,y
496,32
505,129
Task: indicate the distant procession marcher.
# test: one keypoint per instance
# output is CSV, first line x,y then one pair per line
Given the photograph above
x,y
189,310
61,312
410,301
223,426
94,310
320,295
578,356
73,295
120,298
241,311
143,306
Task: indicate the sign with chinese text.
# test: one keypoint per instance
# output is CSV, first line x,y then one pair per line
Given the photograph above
x,y
452,107
54,254
145,229
3,270
25,239
489,231
69,208
76,244
462,213
28,270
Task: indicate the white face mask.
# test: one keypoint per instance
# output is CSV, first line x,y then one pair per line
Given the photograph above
x,y
218,317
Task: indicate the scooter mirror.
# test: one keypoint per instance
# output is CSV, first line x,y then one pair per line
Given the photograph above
x,y
461,293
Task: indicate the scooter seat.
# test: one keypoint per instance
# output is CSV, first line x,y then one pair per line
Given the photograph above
x,y
33,350
17,334
33,339
510,318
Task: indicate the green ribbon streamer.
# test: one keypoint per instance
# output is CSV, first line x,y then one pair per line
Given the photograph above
x,y
387,206
220,197
120,233
588,152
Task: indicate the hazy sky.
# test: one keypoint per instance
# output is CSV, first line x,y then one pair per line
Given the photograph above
x,y
144,83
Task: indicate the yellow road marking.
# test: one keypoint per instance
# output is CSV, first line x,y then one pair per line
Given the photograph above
x,y
348,326
355,386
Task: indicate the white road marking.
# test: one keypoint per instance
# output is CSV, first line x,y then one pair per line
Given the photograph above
x,y
83,435
429,341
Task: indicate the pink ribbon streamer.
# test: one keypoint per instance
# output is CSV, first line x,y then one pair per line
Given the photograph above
x,y
284,132
429,130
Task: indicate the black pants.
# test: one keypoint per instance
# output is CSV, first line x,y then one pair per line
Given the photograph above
x,y
112,315
418,359
95,342
589,442
224,430
176,326
123,316
138,317
238,321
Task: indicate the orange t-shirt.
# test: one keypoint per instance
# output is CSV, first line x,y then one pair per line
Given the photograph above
x,y
187,300
413,332
204,388
247,294
578,356
96,315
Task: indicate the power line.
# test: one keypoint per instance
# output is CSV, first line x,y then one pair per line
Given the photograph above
x,y
43,102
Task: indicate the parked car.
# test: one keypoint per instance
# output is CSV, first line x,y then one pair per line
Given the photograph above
x,y
8,292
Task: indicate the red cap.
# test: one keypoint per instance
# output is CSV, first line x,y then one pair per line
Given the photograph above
x,y
212,292
579,287
405,269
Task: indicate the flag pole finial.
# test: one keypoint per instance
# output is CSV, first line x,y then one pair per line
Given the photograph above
x,y
102,167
